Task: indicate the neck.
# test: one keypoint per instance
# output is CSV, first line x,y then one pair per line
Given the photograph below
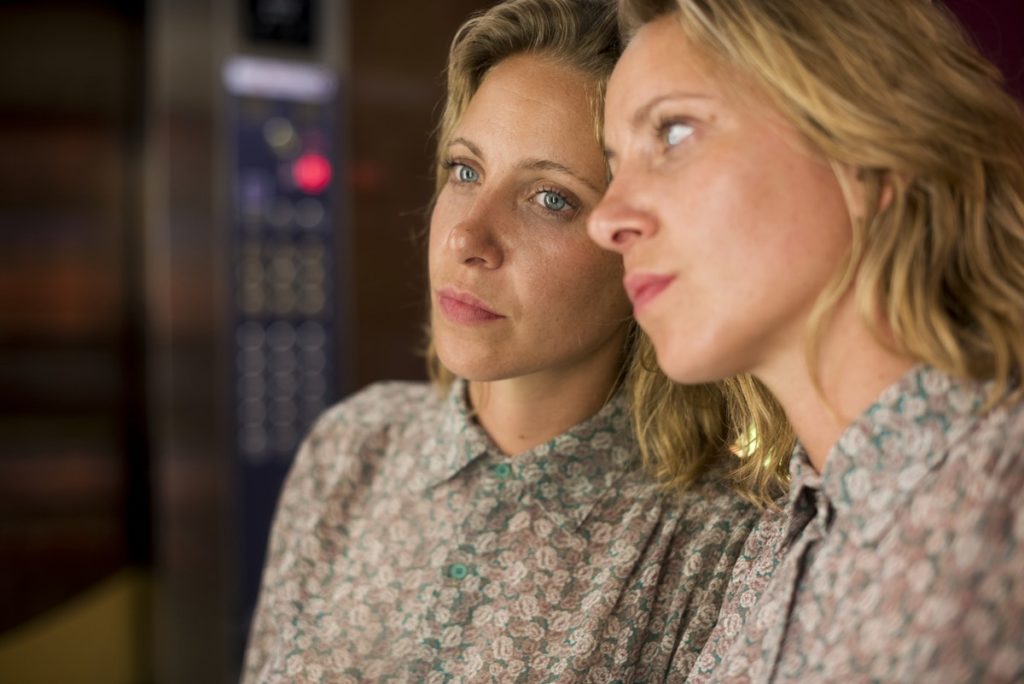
x,y
522,412
853,369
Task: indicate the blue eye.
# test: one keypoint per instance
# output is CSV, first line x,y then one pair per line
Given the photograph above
x,y
466,174
552,201
557,203
674,132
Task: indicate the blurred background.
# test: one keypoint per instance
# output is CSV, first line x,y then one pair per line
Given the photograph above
x,y
210,214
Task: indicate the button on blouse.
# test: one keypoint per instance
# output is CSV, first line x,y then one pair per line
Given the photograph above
x,y
407,547
902,562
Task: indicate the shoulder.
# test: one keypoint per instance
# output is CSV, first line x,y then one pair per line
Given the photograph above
x,y
714,500
712,497
361,429
705,524
983,468
746,537
959,548
983,475
382,406
710,523
712,528
965,520
754,566
997,437
751,535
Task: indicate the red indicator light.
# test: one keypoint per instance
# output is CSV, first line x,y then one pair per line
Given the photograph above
x,y
312,173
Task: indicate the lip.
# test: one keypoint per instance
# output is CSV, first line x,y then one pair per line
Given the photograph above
x,y
643,288
462,307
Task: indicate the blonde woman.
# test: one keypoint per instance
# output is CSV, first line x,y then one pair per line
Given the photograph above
x,y
828,195
501,525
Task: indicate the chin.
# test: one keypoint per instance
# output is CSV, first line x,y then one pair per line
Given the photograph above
x,y
472,367
475,372
688,366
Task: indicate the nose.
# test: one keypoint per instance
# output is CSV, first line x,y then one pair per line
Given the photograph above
x,y
616,223
472,242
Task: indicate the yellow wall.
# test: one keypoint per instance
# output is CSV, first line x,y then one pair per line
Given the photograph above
x,y
101,637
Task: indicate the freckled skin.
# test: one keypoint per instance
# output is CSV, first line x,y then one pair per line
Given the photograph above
x,y
750,221
561,295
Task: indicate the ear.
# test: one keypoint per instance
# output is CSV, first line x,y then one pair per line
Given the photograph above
x,y
885,190
862,186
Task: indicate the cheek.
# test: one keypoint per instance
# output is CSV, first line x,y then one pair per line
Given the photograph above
x,y
435,238
807,228
585,280
715,228
761,214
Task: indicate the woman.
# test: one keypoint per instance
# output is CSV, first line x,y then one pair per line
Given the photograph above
x,y
506,529
828,195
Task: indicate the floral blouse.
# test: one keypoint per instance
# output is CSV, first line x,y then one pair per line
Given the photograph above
x,y
902,562
407,547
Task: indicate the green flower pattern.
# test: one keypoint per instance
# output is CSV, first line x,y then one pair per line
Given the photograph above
x,y
407,548
902,562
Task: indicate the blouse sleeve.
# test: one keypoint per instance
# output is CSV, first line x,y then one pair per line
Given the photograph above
x,y
295,508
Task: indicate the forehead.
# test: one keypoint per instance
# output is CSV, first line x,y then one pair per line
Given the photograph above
x,y
660,52
536,103
661,60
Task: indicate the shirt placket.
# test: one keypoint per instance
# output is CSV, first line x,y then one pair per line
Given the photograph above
x,y
815,514
464,573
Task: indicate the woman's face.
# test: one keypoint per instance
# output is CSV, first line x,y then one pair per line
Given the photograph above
x,y
517,286
729,225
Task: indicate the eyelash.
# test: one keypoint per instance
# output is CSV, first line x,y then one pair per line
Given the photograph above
x,y
662,128
571,203
449,164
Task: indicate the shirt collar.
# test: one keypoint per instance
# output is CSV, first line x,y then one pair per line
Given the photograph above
x,y
461,439
884,455
565,475
807,504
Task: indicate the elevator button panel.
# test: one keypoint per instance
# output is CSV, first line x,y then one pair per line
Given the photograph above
x,y
283,215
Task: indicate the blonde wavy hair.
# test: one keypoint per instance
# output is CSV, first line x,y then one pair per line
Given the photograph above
x,y
898,93
683,432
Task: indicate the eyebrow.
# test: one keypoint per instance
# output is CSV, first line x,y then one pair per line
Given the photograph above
x,y
644,112
548,165
533,164
472,148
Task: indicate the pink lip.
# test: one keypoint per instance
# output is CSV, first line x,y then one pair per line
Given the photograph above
x,y
643,288
462,307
